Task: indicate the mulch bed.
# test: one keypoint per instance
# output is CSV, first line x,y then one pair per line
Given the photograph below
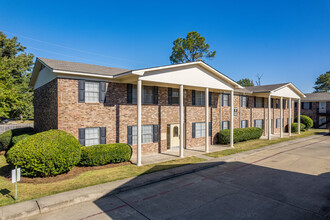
x,y
75,171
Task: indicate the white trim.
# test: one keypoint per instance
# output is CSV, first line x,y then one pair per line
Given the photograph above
x,y
84,74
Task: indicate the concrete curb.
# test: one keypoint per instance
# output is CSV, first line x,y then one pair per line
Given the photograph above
x,y
60,200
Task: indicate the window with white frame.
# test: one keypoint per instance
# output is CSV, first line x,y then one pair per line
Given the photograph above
x,y
200,98
175,96
259,123
225,125
278,121
306,105
92,136
244,124
259,102
225,99
147,134
200,129
244,101
147,94
92,91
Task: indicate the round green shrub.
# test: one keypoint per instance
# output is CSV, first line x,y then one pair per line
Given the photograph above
x,y
307,121
45,154
240,134
11,137
102,154
294,127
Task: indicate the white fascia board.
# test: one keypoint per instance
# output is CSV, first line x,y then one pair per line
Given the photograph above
x,y
82,74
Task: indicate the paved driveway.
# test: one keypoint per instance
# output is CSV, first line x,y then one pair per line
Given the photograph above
x,y
289,182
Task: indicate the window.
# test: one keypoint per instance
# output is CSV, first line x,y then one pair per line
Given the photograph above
x,y
92,91
259,102
173,96
200,98
277,103
278,122
306,105
147,134
259,123
244,123
225,100
176,131
288,104
147,94
199,129
225,125
322,107
244,101
92,136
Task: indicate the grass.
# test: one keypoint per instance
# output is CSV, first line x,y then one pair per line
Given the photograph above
x,y
254,144
27,191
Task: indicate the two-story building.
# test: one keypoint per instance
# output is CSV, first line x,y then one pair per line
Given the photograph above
x,y
317,107
154,109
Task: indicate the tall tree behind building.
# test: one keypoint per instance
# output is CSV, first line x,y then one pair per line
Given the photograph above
x,y
16,98
322,83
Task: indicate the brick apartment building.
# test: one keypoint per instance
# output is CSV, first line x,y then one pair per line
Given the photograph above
x,y
154,109
317,107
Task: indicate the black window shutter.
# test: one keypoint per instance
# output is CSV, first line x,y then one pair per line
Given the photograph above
x,y
221,99
228,124
272,103
129,93
156,133
129,135
210,98
247,101
255,101
155,95
210,128
193,130
241,101
229,100
263,124
81,136
263,102
193,97
81,91
255,123
103,135
276,123
103,91
310,105
302,105
247,123
170,96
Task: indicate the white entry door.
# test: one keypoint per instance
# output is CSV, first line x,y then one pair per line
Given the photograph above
x,y
175,135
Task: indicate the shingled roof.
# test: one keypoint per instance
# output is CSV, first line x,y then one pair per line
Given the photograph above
x,y
321,96
81,67
265,88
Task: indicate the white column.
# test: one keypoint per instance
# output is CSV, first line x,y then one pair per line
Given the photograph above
x,y
207,120
181,121
289,125
232,118
299,108
269,119
281,118
139,125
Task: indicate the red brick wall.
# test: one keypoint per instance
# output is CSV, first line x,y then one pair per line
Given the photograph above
x,y
45,107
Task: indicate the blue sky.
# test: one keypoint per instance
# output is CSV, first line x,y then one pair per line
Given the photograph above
x,y
286,41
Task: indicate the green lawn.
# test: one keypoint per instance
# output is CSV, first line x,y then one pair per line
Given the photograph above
x,y
29,191
254,144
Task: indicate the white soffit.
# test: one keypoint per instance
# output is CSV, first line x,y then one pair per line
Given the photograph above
x,y
192,75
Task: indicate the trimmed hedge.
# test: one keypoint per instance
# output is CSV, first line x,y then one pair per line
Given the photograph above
x,y
11,137
45,154
102,154
240,134
294,127
307,121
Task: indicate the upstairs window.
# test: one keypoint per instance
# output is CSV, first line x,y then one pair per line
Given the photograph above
x,y
199,98
306,105
244,101
92,91
149,94
173,96
225,100
259,102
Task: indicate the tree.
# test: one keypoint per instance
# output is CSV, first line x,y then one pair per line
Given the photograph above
x,y
245,82
190,49
259,79
322,83
15,71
